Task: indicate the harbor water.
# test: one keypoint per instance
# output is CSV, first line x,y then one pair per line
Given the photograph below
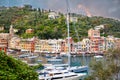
x,y
74,60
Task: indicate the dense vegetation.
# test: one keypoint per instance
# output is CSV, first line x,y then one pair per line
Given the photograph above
x,y
44,28
107,68
11,69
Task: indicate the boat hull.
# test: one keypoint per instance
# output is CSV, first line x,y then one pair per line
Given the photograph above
x,y
80,69
61,75
68,78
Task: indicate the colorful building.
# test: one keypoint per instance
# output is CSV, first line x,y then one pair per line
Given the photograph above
x,y
85,43
55,45
71,43
42,46
29,31
63,46
3,44
4,37
14,43
49,46
27,45
94,36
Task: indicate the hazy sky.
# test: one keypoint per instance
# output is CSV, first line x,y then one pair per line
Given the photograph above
x,y
106,8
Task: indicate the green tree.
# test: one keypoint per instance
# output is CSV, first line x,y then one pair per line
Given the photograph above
x,y
114,60
12,69
108,68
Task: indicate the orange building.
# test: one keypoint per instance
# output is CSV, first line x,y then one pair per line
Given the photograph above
x,y
29,31
3,44
27,45
4,37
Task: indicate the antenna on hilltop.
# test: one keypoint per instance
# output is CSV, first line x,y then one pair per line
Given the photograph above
x,y
8,4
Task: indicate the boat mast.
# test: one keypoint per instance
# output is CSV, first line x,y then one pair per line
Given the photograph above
x,y
67,19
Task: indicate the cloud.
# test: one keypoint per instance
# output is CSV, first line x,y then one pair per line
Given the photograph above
x,y
112,10
86,10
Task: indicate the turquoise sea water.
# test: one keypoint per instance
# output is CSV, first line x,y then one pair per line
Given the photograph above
x,y
75,60
78,60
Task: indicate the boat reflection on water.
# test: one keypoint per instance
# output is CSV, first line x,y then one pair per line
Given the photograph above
x,y
55,59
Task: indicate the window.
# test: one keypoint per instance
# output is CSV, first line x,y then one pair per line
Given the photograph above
x,y
57,78
70,76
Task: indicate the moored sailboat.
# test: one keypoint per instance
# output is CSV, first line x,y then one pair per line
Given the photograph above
x,y
76,69
67,73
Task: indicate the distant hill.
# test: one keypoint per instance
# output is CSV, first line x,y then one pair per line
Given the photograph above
x,y
44,28
11,69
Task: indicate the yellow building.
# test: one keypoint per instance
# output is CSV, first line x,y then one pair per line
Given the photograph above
x,y
42,46
85,45
14,43
93,33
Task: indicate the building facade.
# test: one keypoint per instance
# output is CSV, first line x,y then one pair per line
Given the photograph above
x,y
14,43
3,44
42,46
27,45
94,36
53,15
29,31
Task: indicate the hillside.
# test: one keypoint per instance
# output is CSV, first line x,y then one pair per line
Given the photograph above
x,y
11,69
44,28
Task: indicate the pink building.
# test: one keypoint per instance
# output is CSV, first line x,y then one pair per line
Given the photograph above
x,y
96,41
72,48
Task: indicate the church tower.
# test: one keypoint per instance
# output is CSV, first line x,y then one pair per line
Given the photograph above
x,y
11,31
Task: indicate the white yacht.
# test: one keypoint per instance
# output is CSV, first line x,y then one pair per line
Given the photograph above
x,y
98,57
60,75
